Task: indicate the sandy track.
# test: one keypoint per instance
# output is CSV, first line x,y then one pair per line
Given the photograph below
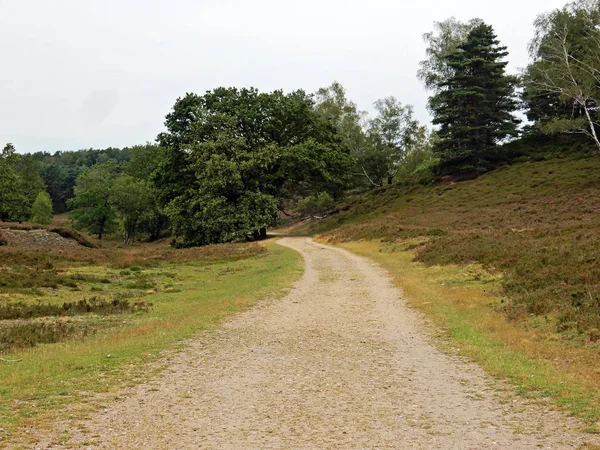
x,y
340,362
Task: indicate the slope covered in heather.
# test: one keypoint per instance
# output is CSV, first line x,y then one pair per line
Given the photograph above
x,y
537,221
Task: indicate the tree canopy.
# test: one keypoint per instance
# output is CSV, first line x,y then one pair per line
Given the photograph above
x,y
41,211
474,106
91,207
444,40
562,84
232,156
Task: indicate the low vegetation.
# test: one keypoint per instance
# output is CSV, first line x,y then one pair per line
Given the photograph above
x,y
531,227
81,321
462,300
536,222
232,162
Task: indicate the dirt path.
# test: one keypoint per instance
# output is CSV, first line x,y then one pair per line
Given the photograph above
x,y
340,362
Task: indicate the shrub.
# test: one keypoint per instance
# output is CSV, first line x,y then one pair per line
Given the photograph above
x,y
118,305
41,211
315,204
29,334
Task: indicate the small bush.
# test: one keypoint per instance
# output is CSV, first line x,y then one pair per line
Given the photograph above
x,y
21,310
436,232
315,204
140,284
30,334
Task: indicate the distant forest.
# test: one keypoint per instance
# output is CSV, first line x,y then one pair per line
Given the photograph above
x,y
232,162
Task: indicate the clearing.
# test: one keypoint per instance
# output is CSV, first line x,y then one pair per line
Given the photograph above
x,y
340,362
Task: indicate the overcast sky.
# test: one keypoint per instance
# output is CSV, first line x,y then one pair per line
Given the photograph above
x,y
98,73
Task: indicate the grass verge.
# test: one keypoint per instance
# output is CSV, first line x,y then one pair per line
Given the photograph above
x,y
464,301
536,222
52,379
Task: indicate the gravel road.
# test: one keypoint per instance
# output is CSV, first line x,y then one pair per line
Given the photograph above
x,y
340,362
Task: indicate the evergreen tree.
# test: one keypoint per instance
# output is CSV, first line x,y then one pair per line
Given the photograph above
x,y
474,107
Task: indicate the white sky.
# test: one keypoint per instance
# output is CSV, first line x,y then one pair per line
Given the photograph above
x,y
98,73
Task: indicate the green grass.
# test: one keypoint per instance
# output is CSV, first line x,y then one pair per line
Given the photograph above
x,y
461,301
190,295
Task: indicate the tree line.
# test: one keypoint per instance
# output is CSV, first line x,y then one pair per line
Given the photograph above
x,y
232,161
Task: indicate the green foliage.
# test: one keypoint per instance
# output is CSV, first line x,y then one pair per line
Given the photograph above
x,y
13,202
91,208
316,204
133,201
474,107
562,84
60,182
41,211
106,199
60,170
144,160
28,171
331,102
20,183
232,156
444,40
394,139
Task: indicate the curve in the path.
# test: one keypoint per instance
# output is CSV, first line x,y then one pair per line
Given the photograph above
x,y
340,362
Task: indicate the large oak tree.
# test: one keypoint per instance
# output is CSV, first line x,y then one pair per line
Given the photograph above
x,y
233,155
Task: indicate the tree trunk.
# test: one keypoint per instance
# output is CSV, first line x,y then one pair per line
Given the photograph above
x,y
101,231
592,126
263,233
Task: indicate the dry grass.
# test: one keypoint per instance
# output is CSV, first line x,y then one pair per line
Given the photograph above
x,y
463,300
67,354
536,222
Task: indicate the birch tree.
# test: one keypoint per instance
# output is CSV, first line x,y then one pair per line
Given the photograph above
x,y
566,63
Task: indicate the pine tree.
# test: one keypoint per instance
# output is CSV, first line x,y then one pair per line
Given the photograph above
x,y
474,107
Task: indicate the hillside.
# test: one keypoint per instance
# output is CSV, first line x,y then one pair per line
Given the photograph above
x,y
535,221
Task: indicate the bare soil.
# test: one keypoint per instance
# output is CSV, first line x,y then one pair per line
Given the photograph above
x,y
340,362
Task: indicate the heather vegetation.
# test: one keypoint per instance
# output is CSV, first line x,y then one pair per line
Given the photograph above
x,y
75,321
517,200
534,221
232,163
